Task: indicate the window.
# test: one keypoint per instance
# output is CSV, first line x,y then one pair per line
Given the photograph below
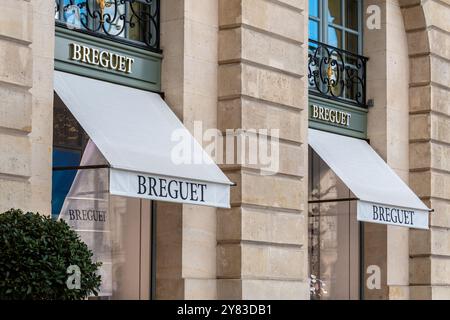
x,y
334,235
336,23
69,141
336,69
118,230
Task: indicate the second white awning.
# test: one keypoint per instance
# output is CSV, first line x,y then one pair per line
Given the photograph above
x,y
382,196
151,154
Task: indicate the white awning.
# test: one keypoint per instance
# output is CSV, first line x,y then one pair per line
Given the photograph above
x,y
382,196
151,154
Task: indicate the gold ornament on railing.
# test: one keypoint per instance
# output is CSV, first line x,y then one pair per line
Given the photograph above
x,y
103,4
330,73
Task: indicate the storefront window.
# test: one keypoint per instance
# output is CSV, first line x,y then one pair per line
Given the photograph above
x,y
333,235
69,141
117,229
130,248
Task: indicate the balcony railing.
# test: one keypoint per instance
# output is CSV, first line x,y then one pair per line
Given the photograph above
x,y
336,74
134,22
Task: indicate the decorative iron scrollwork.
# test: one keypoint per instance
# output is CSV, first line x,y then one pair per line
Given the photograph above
x,y
134,21
336,73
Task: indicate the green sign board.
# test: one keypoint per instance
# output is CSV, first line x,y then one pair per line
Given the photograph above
x,y
337,117
106,60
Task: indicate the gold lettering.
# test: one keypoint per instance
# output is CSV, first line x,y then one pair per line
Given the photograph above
x,y
129,63
333,116
122,64
101,58
327,114
95,56
321,113
338,117
111,58
76,51
86,52
315,111
104,59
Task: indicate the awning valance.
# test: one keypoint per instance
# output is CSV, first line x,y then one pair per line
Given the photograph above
x,y
150,153
382,196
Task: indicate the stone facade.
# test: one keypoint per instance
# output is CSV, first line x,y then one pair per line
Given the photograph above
x,y
242,64
261,84
427,24
186,237
26,104
215,72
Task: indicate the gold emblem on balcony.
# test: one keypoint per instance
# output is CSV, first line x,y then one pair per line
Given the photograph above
x,y
103,4
330,75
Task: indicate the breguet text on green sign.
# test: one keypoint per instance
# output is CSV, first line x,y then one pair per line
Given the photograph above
x,y
106,60
331,115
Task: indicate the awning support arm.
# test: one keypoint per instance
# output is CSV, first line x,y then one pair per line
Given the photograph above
x,y
99,166
333,200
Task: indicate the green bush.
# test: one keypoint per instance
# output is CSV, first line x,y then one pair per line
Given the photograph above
x,y
35,253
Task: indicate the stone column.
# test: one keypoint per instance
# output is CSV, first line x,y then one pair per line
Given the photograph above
x,y
26,104
262,250
186,235
427,25
387,84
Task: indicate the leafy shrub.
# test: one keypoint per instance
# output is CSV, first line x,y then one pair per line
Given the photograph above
x,y
35,253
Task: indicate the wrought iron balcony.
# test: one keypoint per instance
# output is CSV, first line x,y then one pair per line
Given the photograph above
x,y
134,22
336,74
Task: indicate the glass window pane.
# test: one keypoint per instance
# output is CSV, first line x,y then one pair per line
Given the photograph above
x,y
62,180
130,226
334,12
333,231
75,13
67,132
314,8
334,249
335,37
113,23
314,175
314,30
352,87
324,184
351,42
317,289
68,144
352,14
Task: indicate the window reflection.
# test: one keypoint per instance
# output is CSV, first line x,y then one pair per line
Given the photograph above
x,y
314,30
352,14
351,42
333,235
335,12
334,37
342,27
120,236
314,8
69,141
135,20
